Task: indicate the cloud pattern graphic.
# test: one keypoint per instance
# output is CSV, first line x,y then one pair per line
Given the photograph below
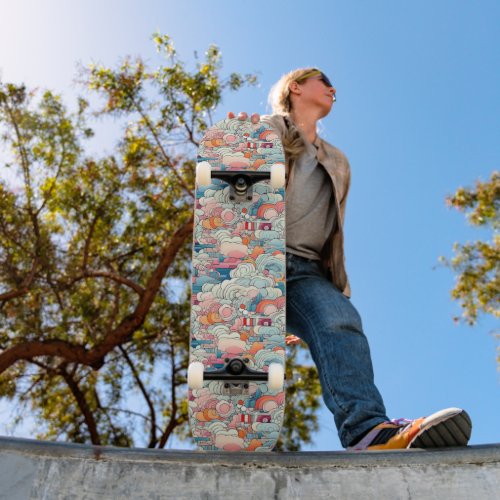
x,y
238,291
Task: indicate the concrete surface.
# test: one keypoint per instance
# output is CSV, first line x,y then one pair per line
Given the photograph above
x,y
43,470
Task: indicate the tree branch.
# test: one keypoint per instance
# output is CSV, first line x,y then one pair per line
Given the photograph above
x,y
89,238
93,224
122,333
160,146
51,189
173,422
114,277
137,378
82,404
26,171
24,288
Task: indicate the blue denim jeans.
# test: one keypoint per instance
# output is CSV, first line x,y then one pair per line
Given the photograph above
x,y
321,315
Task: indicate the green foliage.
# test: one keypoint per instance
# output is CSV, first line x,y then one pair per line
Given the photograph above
x,y
93,334
477,264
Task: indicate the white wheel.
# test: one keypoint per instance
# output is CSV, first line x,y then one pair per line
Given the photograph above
x,y
203,174
195,375
276,376
278,175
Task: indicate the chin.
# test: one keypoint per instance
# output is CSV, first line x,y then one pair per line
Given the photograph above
x,y
325,112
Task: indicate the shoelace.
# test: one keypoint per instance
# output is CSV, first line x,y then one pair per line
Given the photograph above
x,y
399,421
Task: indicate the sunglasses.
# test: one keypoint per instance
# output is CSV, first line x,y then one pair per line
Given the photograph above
x,y
316,72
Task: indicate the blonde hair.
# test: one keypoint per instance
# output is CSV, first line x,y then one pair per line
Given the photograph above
x,y
281,104
279,96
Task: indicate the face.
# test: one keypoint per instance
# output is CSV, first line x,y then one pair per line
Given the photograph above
x,y
316,90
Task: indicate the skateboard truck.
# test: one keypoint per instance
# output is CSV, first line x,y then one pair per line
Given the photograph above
x,y
236,373
234,370
240,182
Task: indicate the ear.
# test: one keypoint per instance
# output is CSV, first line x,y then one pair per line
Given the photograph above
x,y
294,88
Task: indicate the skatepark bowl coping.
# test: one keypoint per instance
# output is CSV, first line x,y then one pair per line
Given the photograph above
x,y
37,469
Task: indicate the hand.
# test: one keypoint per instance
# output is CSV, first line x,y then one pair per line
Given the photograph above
x,y
292,340
255,118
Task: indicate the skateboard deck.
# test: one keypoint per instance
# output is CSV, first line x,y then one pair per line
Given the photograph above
x,y
238,290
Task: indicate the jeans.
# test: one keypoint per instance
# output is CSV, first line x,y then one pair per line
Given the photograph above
x,y
321,315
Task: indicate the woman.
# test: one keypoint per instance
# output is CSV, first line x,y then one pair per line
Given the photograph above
x,y
319,310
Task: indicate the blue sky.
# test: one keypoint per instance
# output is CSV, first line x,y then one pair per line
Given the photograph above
x,y
418,115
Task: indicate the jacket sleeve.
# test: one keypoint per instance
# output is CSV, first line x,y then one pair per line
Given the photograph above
x,y
347,185
347,291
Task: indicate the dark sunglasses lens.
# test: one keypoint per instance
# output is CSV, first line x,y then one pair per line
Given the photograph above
x,y
326,80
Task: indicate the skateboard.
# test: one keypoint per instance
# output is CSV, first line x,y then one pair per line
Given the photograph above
x,y
236,369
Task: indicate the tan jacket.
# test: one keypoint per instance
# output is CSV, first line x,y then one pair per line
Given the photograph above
x,y
336,164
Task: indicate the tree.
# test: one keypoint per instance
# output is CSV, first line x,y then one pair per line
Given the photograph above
x,y
477,266
93,334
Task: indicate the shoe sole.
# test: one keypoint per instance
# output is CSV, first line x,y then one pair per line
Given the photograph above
x,y
451,427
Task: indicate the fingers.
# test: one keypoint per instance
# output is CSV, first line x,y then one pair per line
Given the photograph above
x,y
292,340
255,118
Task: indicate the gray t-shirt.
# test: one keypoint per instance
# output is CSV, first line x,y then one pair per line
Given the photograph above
x,y
310,207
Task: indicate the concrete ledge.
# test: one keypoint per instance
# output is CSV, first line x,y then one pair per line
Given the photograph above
x,y
37,469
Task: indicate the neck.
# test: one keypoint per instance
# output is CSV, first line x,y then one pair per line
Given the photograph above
x,y
306,120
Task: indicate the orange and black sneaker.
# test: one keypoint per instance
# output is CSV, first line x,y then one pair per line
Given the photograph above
x,y
450,427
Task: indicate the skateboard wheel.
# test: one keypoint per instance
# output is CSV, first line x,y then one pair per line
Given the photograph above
x,y
276,376
195,375
203,174
278,175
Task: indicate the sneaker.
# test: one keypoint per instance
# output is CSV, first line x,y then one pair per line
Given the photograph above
x,y
450,427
